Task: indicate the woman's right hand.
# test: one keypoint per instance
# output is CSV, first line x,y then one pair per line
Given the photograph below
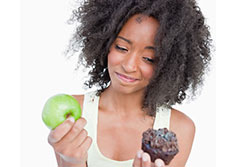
x,y
142,159
70,142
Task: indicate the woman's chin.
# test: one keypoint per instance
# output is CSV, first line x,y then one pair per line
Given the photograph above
x,y
124,89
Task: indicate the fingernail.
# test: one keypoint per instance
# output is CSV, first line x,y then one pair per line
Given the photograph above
x,y
139,153
52,140
145,157
72,119
159,163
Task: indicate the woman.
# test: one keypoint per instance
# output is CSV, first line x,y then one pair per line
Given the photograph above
x,y
144,55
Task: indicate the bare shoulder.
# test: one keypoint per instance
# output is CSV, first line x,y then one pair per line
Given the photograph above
x,y
184,128
79,98
180,121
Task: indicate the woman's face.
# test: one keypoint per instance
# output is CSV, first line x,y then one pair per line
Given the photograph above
x,y
131,56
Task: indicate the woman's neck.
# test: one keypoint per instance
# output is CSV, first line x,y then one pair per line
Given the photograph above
x,y
122,104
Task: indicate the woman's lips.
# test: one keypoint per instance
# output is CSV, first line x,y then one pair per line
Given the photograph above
x,y
126,78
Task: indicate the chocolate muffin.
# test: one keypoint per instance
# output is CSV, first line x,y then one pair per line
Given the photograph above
x,y
160,143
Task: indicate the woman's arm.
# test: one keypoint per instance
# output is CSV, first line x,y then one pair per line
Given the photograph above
x,y
64,141
184,128
80,99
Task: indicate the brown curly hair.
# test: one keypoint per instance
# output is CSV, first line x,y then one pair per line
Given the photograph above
x,y
182,44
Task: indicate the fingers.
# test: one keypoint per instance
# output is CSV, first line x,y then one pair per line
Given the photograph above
x,y
59,132
159,163
86,144
80,138
76,130
146,162
138,158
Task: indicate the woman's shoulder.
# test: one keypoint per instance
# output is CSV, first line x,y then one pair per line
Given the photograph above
x,y
79,98
184,128
180,120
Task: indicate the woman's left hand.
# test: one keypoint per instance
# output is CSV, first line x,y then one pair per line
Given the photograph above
x,y
142,159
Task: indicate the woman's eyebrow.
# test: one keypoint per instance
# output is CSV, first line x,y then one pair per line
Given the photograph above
x,y
130,42
150,47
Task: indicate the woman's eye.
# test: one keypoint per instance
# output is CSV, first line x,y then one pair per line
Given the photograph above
x,y
148,59
120,48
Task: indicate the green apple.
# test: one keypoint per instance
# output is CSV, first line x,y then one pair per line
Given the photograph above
x,y
58,108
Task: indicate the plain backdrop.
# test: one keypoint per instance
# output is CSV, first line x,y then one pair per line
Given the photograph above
x,y
45,71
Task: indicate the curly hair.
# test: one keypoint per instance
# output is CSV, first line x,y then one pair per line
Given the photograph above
x,y
182,45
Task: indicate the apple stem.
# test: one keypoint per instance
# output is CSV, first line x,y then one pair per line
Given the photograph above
x,y
68,115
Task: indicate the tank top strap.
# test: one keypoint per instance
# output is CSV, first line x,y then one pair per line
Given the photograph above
x,y
90,112
162,118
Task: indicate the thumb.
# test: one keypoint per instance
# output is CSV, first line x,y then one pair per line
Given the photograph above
x,y
60,131
137,160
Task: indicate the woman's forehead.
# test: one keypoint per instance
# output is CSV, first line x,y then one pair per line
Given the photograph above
x,y
140,27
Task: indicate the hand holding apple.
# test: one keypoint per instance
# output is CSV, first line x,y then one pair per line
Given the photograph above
x,y
58,108
69,139
71,143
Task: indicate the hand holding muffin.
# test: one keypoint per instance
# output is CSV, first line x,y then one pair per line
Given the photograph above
x,y
158,148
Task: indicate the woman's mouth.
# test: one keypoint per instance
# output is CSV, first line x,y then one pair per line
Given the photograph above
x,y
125,78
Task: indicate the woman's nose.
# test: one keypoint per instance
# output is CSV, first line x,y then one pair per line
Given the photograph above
x,y
130,64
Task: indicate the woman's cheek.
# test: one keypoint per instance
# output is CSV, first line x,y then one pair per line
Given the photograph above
x,y
114,59
148,72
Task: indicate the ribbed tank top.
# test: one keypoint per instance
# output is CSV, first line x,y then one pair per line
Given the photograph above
x,y
90,113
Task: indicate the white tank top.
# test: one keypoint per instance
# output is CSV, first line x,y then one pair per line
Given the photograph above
x,y
90,113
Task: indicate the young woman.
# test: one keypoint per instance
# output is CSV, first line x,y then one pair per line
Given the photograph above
x,y
144,56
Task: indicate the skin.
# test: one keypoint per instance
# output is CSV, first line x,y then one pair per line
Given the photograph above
x,y
131,55
120,117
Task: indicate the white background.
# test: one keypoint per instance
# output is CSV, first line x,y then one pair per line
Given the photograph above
x,y
45,72
232,66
